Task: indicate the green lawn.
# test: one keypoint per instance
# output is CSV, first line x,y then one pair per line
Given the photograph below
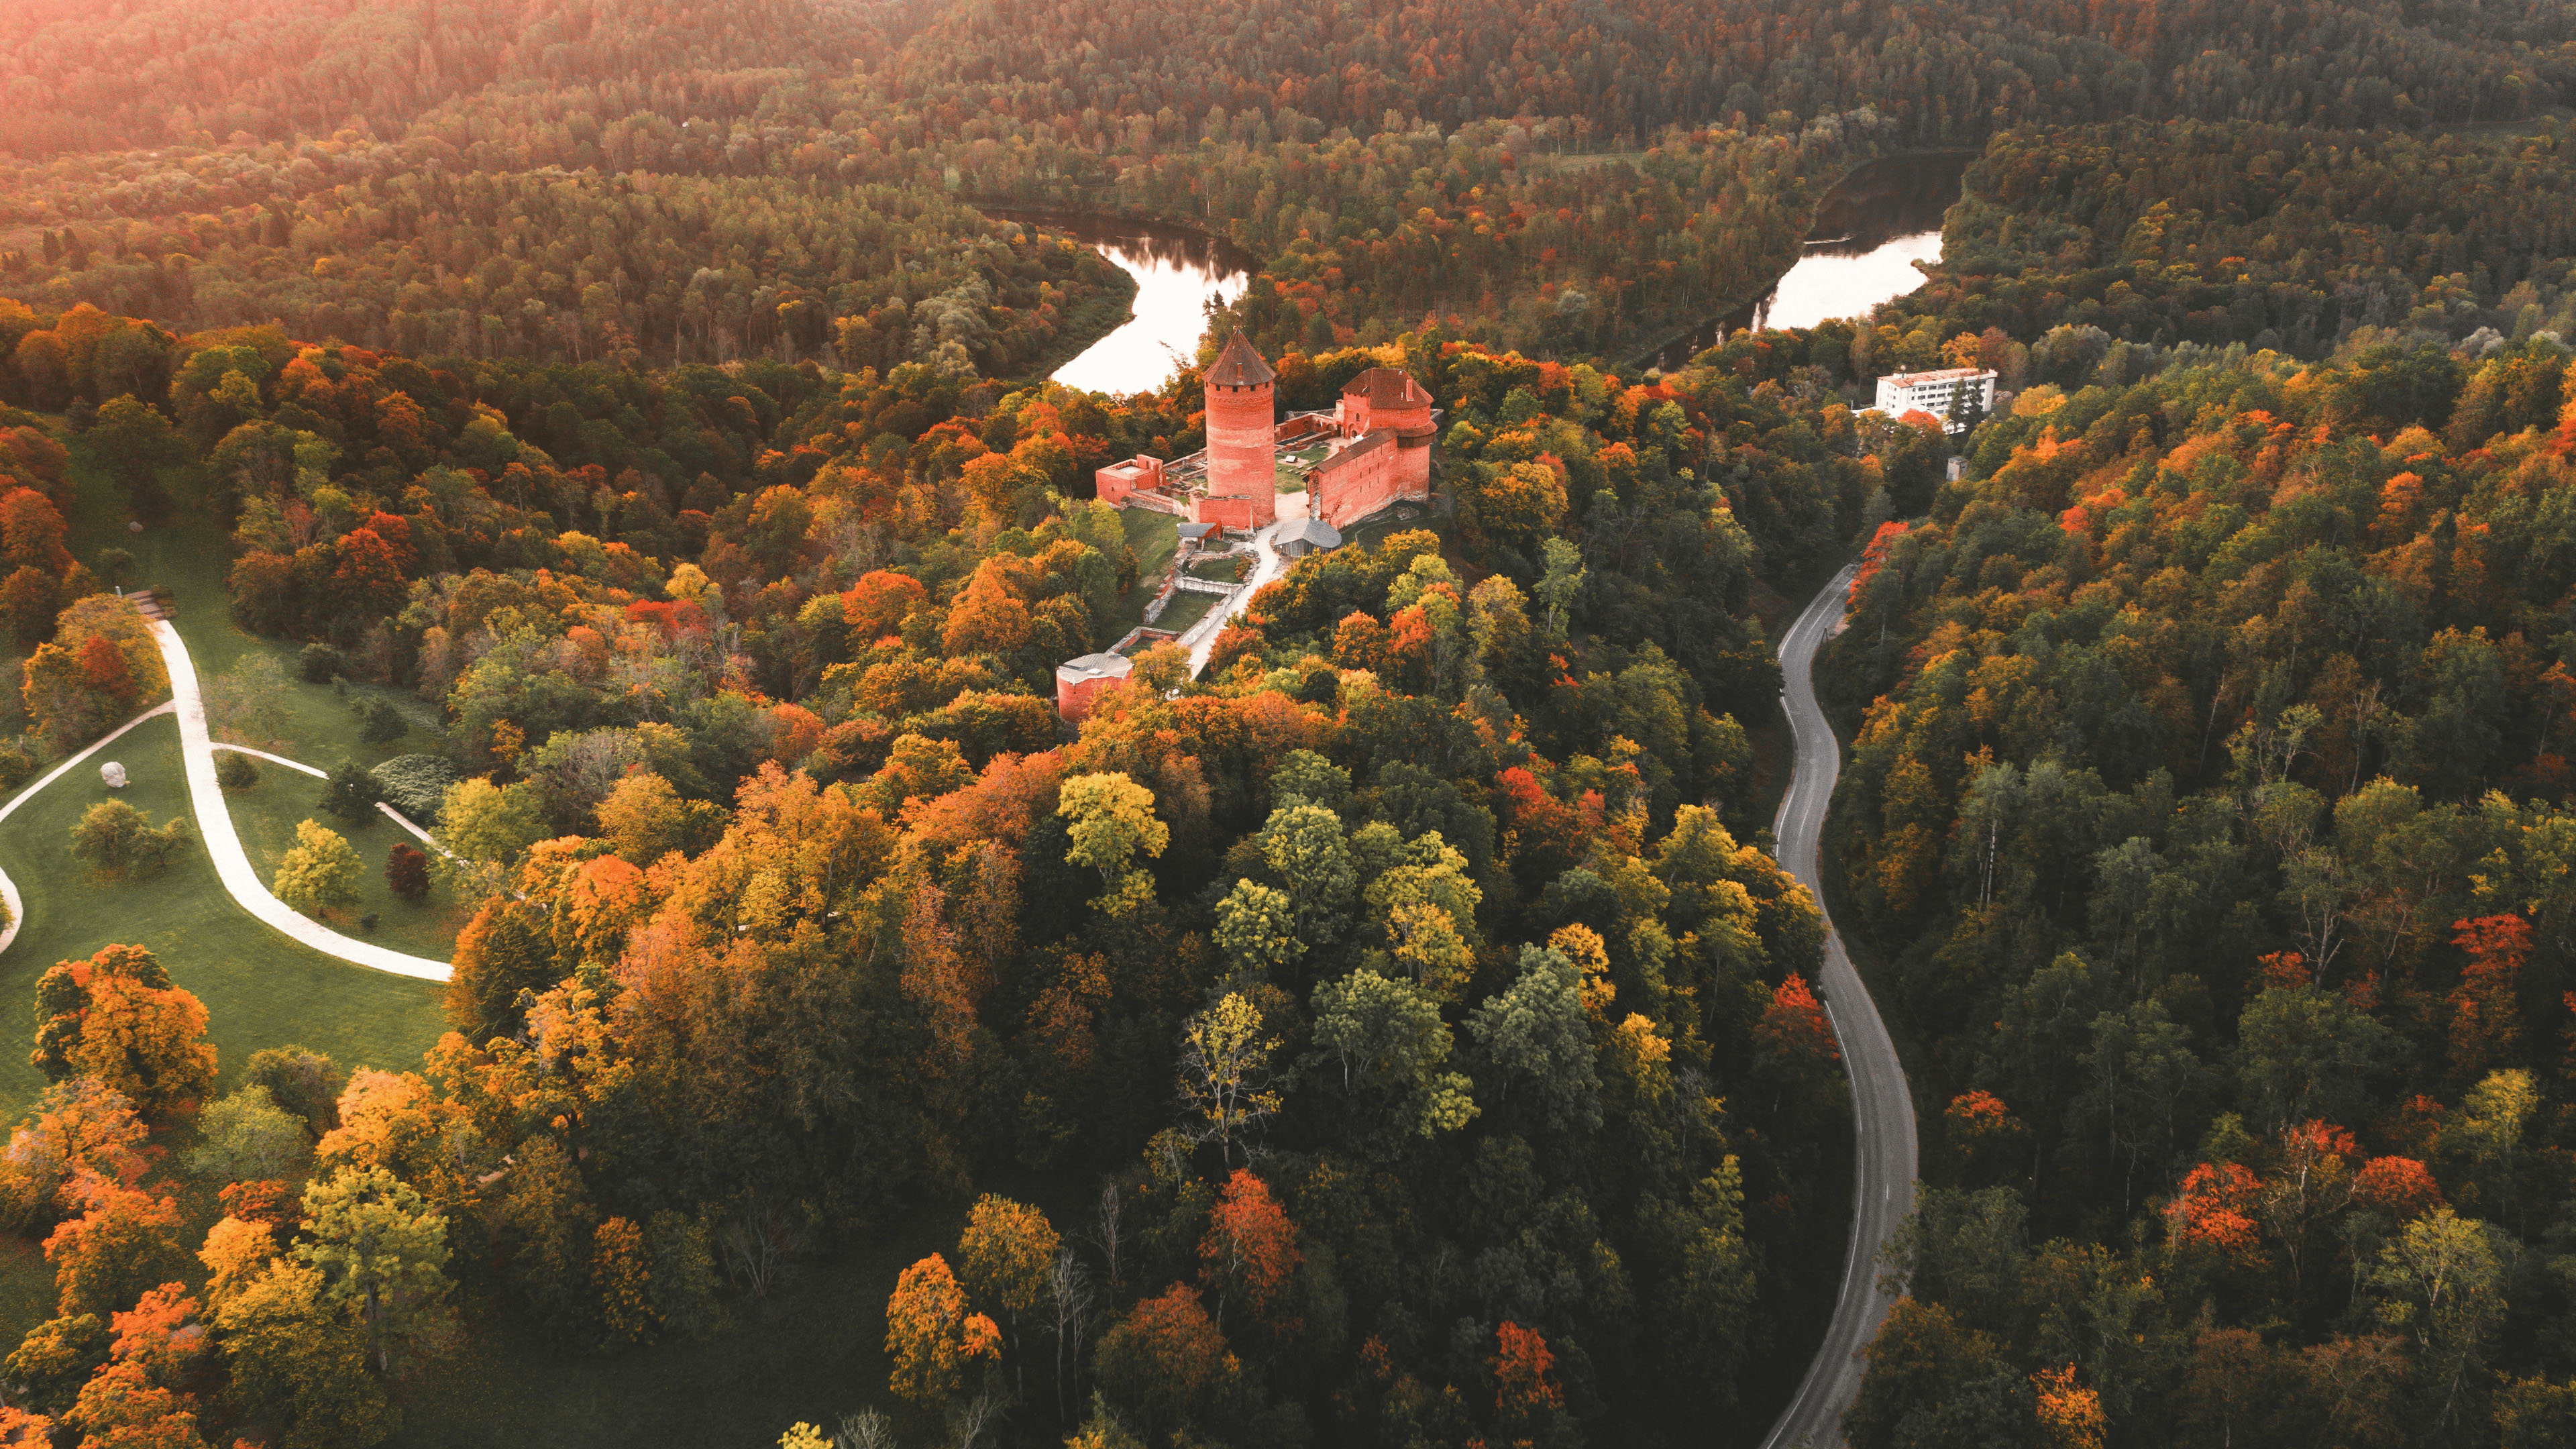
x,y
814,1350
318,725
260,989
1155,537
1187,608
187,555
1291,466
266,815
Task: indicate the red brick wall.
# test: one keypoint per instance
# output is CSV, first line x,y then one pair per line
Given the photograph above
x,y
1358,419
1074,700
1369,482
1239,456
1228,512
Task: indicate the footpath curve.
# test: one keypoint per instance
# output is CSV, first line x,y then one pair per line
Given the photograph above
x,y
1882,1107
223,844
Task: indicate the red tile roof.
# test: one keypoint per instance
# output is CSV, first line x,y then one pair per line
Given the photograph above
x,y
1385,387
1239,365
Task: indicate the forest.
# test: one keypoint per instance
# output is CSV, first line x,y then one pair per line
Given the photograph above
x,y
2209,796
393,181
801,917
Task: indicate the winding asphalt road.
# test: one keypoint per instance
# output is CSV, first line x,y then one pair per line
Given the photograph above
x,y
1882,1109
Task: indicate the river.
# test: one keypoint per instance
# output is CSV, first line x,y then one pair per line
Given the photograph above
x,y
1177,271
1871,228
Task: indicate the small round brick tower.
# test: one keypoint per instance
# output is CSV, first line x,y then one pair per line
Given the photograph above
x,y
1242,478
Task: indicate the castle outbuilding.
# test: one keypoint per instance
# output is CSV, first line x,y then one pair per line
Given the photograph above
x,y
1080,681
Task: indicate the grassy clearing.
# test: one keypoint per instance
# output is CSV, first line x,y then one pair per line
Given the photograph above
x,y
814,1350
1155,537
260,989
187,556
318,725
266,815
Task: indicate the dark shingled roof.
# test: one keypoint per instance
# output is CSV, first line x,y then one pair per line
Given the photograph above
x,y
1239,366
1385,387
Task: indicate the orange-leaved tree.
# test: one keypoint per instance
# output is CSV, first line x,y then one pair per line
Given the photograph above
x,y
1251,1247
116,1017
2401,1187
930,1335
2215,1209
1794,1047
80,1125
620,1269
2486,1022
1161,1359
1005,1256
162,1336
2070,1415
125,1242
1525,1393
1979,1123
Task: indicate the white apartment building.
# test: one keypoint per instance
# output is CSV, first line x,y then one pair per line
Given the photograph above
x,y
1937,393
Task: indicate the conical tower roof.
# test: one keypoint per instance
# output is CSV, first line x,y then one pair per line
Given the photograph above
x,y
1239,365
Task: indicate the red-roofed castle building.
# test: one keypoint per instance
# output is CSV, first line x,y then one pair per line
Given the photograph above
x,y
1385,458
1377,444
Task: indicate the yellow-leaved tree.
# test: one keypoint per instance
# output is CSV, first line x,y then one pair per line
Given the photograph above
x,y
320,872
1112,818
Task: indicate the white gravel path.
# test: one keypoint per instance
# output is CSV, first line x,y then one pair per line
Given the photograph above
x,y
223,845
389,812
1201,639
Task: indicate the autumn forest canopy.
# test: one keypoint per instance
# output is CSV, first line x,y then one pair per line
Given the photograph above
x,y
629,424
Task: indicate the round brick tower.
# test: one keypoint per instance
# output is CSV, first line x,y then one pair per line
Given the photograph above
x,y
1240,431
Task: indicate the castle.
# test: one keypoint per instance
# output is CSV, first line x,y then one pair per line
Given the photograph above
x,y
1371,451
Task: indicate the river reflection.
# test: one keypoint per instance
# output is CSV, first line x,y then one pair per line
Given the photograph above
x,y
1177,271
1870,230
